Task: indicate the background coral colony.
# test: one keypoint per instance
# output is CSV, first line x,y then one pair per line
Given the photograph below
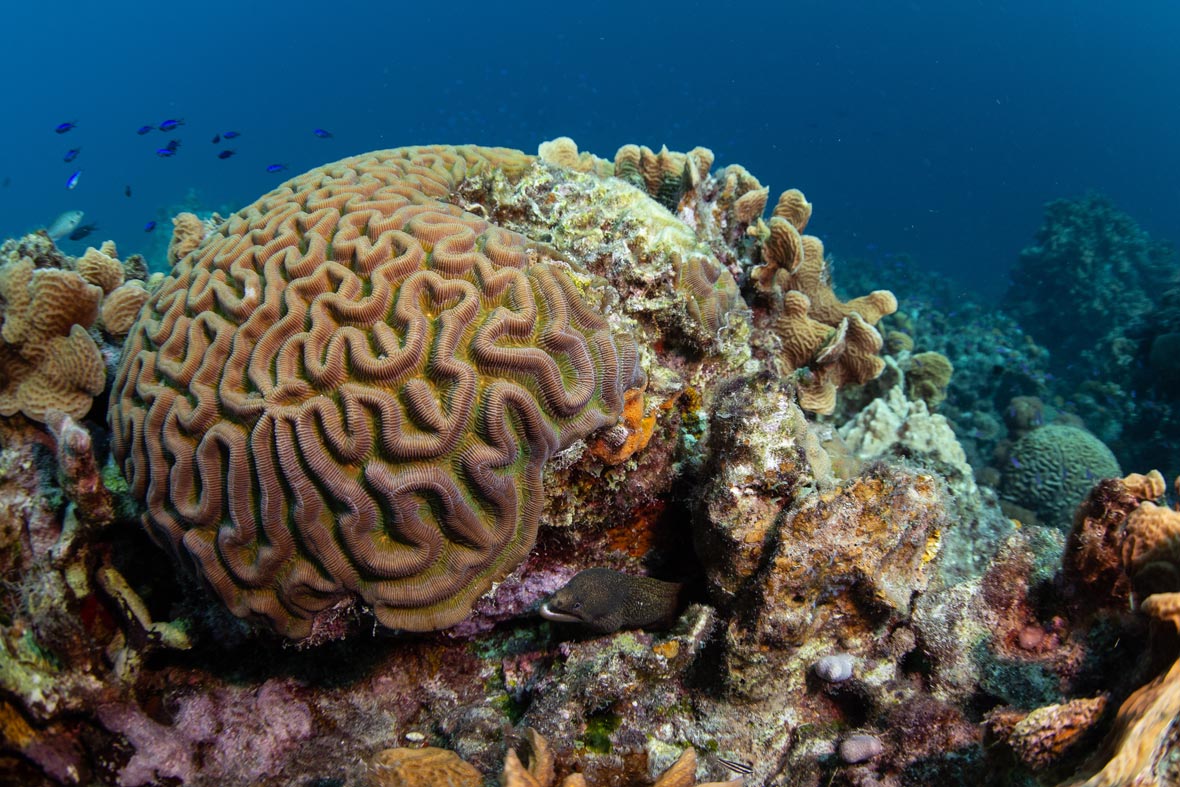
x,y
567,395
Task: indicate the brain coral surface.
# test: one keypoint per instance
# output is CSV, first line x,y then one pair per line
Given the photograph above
x,y
1051,470
351,389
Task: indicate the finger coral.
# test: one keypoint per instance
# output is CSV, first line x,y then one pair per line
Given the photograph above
x,y
351,388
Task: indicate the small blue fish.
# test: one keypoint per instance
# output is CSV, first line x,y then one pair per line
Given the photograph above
x,y
230,134
1015,463
62,128
225,154
151,225
127,191
165,152
322,134
144,129
71,154
216,138
73,181
276,168
173,144
171,124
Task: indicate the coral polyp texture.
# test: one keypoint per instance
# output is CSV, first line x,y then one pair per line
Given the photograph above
x,y
1051,469
351,388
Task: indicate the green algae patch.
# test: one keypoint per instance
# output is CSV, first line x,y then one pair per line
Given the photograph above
x,y
599,727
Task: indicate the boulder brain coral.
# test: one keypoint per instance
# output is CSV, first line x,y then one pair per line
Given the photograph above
x,y
350,389
1051,469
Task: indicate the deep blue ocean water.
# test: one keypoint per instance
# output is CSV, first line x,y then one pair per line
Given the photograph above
x,y
936,129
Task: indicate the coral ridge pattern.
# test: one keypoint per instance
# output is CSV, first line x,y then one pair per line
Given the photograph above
x,y
351,388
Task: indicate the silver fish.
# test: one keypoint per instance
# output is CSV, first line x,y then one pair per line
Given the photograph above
x,y
64,224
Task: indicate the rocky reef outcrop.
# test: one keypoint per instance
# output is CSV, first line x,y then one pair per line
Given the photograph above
x,y
449,379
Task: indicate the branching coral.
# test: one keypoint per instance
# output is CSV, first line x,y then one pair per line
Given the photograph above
x,y
351,389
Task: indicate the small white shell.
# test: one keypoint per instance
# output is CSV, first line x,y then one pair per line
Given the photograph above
x,y
835,667
860,748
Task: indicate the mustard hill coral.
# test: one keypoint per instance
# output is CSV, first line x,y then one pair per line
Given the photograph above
x,y
350,389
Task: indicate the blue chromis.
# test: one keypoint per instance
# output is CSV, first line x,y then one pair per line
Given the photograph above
x,y
322,134
276,167
225,154
171,124
62,128
73,181
168,150
216,138
144,129
230,134
151,225
72,154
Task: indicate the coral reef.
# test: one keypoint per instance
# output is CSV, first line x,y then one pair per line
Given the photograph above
x,y
849,605
1106,274
1119,288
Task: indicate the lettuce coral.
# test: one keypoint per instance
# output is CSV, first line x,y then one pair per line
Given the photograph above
x,y
47,359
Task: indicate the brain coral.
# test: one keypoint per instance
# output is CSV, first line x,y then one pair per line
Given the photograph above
x,y
350,389
1050,470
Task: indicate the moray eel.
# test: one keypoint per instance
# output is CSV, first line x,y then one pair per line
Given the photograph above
x,y
604,601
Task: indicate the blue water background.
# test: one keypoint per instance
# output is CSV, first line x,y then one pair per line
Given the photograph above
x,y
934,128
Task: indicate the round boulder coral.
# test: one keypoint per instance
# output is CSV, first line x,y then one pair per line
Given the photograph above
x,y
350,389
1051,470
